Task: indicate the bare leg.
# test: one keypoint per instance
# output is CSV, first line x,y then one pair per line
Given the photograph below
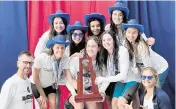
x,y
109,102
100,105
121,101
52,100
76,105
114,103
91,105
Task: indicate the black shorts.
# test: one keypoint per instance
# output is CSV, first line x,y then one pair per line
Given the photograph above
x,y
47,90
110,90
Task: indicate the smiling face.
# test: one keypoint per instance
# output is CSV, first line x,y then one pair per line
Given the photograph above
x,y
107,42
95,27
117,17
92,48
131,34
59,25
148,79
58,50
25,63
77,36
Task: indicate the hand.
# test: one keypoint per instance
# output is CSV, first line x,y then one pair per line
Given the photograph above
x,y
144,107
99,80
43,101
103,96
127,106
150,41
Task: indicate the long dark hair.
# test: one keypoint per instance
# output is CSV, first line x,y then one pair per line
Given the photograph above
x,y
113,27
76,47
99,63
102,25
53,33
104,52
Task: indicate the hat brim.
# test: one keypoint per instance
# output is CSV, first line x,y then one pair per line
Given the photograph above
x,y
137,26
98,16
71,27
50,43
125,10
64,15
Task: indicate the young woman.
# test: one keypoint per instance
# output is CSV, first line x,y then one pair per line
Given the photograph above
x,y
50,70
77,37
153,97
119,14
96,23
92,49
58,22
116,59
142,55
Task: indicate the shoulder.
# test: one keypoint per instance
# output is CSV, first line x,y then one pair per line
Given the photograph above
x,y
42,56
67,51
142,45
161,94
65,59
74,60
107,27
10,82
45,35
123,50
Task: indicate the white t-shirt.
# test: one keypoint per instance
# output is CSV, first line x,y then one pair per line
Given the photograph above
x,y
41,45
67,51
148,103
16,93
44,62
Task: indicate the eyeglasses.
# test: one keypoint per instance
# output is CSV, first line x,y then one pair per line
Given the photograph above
x,y
148,77
27,62
76,34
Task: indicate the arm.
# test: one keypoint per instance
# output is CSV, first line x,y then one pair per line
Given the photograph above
x,y
6,95
37,81
150,41
107,27
103,87
164,101
123,66
41,45
70,88
71,84
145,55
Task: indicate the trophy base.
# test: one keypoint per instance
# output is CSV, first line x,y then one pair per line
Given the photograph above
x,y
89,97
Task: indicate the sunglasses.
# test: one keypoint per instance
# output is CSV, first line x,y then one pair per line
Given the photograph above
x,y
147,77
76,34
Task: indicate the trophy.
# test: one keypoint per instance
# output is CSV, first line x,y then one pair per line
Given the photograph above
x,y
85,64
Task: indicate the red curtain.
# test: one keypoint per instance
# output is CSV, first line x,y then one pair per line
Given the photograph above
x,y
38,12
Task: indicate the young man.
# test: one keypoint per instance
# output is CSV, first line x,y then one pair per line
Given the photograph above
x,y
16,92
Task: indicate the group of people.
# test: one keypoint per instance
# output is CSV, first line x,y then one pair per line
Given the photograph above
x,y
122,58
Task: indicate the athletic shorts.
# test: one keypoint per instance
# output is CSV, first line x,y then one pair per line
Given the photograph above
x,y
47,90
110,90
127,90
